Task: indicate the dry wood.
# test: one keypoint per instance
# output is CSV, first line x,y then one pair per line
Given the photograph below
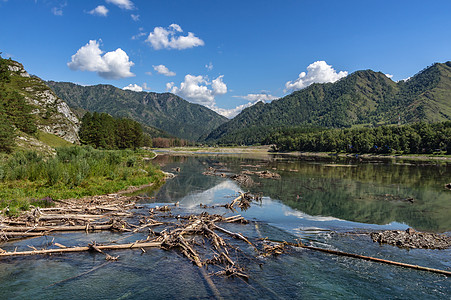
x,y
82,249
369,258
7,229
233,234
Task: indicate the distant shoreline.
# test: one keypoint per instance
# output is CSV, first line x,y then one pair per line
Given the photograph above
x,y
266,150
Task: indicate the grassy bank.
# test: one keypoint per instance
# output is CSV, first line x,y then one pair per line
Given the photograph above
x,y
28,178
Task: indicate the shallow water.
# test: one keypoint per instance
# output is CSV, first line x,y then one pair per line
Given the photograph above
x,y
318,202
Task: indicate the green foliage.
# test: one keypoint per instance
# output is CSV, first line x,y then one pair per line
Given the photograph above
x,y
104,131
52,140
15,112
364,97
29,178
415,138
7,133
166,111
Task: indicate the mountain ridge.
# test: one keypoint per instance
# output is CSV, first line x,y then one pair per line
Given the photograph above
x,y
363,97
164,111
31,109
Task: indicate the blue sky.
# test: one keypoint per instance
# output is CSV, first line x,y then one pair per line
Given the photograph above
x,y
222,54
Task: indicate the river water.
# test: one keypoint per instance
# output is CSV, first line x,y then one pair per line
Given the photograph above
x,y
329,204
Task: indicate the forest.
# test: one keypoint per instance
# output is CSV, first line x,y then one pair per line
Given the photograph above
x,y
416,138
15,112
103,131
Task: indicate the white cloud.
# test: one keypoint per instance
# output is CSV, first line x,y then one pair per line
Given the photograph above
x,y
149,73
406,79
58,10
111,65
197,89
230,113
219,87
317,72
136,88
133,87
389,75
209,66
124,4
258,97
140,34
135,17
163,70
252,98
162,38
169,86
99,11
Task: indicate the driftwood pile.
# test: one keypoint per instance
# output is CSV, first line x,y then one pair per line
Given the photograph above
x,y
262,174
412,239
106,212
244,177
201,238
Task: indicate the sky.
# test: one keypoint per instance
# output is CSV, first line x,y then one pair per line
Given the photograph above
x,y
226,55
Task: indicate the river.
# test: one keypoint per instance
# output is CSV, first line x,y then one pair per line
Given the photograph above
x,y
329,204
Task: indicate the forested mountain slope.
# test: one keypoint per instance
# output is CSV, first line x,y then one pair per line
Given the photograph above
x,y
363,97
29,108
165,111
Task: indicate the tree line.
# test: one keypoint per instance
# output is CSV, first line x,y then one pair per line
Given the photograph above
x,y
15,112
417,138
101,130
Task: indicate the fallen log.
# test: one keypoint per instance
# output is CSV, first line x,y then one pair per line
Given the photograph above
x,y
369,258
233,234
81,249
8,229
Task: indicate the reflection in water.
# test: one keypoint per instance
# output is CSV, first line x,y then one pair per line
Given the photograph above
x,y
367,193
313,201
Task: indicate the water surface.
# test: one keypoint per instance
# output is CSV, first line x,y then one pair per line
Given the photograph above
x,y
318,202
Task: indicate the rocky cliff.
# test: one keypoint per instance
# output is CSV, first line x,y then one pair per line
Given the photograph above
x,y
52,115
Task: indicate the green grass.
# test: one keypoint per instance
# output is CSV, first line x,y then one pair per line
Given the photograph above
x,y
30,178
52,140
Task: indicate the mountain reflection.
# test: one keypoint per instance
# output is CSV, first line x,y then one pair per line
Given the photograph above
x,y
366,193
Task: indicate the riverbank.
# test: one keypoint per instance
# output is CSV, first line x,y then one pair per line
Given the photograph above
x,y
266,150
33,179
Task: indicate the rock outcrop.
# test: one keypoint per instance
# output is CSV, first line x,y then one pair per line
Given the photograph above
x,y
53,114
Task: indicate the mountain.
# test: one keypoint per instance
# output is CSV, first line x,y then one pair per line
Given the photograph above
x,y
166,111
30,110
363,97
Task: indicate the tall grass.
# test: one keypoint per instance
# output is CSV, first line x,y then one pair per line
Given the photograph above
x,y
26,177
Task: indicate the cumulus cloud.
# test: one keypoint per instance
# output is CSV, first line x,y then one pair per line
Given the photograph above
x,y
163,70
99,11
230,113
258,97
405,79
136,88
133,87
219,87
209,66
169,38
317,72
252,98
111,65
124,4
389,75
135,17
197,89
